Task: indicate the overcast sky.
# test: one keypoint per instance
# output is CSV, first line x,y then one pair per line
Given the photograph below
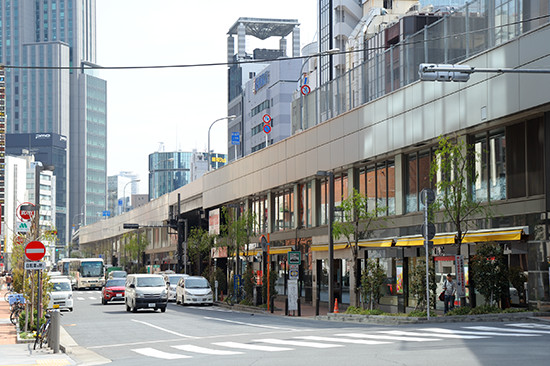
x,y
174,107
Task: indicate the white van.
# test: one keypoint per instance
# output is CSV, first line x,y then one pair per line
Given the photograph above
x,y
145,291
61,293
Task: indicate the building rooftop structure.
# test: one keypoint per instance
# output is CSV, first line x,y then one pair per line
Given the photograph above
x,y
265,28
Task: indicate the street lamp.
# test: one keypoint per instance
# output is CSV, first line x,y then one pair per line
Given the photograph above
x,y
124,191
318,54
155,166
212,124
330,175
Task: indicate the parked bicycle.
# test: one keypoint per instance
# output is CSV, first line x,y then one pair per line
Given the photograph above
x,y
17,305
8,294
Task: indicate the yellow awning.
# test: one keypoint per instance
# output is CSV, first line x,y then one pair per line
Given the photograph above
x,y
508,234
376,243
418,240
324,247
279,250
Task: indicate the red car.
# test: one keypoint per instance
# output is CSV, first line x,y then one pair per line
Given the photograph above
x,y
113,290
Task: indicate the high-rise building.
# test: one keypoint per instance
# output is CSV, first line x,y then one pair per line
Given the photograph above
x,y
45,96
240,73
121,188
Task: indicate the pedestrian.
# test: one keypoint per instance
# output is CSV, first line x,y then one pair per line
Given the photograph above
x,y
9,281
450,291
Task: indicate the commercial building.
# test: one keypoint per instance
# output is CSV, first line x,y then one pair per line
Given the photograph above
x,y
382,144
44,96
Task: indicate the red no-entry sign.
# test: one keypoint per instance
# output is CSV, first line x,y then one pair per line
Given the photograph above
x,y
35,251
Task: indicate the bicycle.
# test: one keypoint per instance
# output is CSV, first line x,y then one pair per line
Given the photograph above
x,y
9,293
17,305
42,335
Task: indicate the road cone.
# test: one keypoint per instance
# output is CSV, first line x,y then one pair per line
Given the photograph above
x,y
336,311
221,296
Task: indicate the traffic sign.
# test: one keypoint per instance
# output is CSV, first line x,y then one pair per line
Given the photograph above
x,y
35,251
266,118
235,138
305,90
106,213
431,231
35,265
293,271
25,211
267,129
294,258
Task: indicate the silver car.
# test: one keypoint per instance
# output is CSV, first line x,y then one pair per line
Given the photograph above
x,y
194,290
172,279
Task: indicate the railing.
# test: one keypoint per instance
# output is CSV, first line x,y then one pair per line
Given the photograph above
x,y
458,35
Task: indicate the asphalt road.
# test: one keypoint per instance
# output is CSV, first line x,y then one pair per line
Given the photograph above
x,y
215,336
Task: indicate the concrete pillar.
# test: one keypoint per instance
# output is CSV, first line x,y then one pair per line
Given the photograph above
x,y
399,171
270,211
241,34
230,48
296,42
296,206
315,202
282,45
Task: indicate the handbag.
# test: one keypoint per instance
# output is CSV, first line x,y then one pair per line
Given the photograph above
x,y
442,296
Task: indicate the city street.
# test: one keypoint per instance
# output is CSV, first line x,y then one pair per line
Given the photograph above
x,y
217,336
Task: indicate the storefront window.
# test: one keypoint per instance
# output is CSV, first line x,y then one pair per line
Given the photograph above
x,y
259,208
418,178
490,166
284,210
305,205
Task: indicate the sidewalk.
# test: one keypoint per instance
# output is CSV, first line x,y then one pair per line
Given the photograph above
x,y
13,353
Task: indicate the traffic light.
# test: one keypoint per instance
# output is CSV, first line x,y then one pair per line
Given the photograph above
x,y
444,72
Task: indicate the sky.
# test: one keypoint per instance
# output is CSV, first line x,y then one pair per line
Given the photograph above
x,y
172,109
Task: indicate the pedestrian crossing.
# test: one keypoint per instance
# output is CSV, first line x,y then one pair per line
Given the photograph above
x,y
380,337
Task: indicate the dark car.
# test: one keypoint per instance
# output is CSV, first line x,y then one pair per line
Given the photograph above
x,y
113,290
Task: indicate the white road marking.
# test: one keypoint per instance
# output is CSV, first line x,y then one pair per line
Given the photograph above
x,y
206,351
523,331
449,331
252,347
406,338
341,340
440,335
248,324
530,325
298,343
151,352
80,298
164,330
92,298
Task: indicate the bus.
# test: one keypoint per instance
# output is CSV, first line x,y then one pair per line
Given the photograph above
x,y
87,272
63,266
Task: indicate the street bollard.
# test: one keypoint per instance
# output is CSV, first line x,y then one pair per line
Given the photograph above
x,y
54,331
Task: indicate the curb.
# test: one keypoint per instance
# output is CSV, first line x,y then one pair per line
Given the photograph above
x,y
396,320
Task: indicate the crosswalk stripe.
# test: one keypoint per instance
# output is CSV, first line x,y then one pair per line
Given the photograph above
x,y
529,325
298,343
80,298
92,298
206,351
341,340
524,331
389,337
449,331
440,335
252,347
151,352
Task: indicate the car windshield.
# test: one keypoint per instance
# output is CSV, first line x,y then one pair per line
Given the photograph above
x,y
113,283
118,274
150,282
196,283
91,269
61,286
174,279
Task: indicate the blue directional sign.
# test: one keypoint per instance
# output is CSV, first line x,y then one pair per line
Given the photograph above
x,y
107,213
235,138
120,202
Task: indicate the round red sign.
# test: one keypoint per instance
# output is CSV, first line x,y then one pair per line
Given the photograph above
x,y
23,213
35,251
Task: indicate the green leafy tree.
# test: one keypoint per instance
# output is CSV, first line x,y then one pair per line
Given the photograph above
x,y
453,171
490,272
135,247
417,284
518,278
358,221
372,279
199,244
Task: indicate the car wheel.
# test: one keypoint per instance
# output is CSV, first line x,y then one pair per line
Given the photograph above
x,y
103,301
177,301
162,310
70,309
127,307
134,308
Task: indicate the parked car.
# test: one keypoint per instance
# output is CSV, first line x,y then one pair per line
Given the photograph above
x,y
61,294
172,281
145,291
117,274
194,290
113,290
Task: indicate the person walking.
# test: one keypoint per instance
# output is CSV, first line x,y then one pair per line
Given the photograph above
x,y
450,291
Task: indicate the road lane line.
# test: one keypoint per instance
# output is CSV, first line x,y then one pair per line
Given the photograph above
x,y
342,340
401,337
530,326
249,324
80,298
449,331
439,335
284,342
206,351
523,331
252,347
151,352
164,330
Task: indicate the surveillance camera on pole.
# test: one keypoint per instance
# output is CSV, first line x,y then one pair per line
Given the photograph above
x,y
443,72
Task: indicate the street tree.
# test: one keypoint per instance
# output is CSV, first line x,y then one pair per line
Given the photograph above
x,y
417,284
490,272
358,223
135,249
372,279
199,245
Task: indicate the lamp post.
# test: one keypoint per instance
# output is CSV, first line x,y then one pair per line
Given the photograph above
x,y
155,166
124,191
330,175
318,54
212,124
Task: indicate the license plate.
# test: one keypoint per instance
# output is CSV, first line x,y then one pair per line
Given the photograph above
x,y
118,295
152,305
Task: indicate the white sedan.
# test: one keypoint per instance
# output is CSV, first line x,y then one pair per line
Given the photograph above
x,y
194,290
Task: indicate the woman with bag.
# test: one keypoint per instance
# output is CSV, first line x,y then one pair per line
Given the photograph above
x,y
450,290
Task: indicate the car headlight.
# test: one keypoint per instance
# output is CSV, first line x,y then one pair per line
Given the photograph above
x,y
140,295
70,296
188,293
163,293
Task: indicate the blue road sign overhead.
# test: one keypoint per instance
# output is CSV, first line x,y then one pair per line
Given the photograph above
x,y
235,138
107,213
